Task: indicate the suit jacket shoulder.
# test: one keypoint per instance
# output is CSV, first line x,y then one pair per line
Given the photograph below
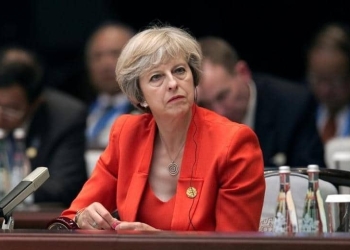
x,y
59,103
285,122
57,132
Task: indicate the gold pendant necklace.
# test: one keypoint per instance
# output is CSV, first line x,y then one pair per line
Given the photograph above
x,y
173,168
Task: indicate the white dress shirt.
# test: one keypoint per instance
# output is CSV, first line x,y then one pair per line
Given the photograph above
x,y
249,118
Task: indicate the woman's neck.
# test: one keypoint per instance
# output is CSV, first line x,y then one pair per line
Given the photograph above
x,y
173,132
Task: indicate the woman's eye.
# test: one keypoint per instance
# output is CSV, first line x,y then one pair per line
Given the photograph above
x,y
180,70
155,78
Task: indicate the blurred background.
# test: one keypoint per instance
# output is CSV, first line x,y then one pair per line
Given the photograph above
x,y
270,35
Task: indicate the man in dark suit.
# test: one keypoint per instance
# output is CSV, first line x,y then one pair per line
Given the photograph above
x,y
54,124
108,102
328,77
280,112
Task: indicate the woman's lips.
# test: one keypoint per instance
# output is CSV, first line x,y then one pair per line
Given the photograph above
x,y
175,98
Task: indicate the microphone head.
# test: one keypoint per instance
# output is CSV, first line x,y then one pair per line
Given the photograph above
x,y
38,177
25,188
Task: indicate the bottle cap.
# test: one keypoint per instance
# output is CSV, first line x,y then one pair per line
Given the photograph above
x,y
284,169
313,168
19,133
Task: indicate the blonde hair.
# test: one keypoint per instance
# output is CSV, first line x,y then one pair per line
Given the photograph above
x,y
150,48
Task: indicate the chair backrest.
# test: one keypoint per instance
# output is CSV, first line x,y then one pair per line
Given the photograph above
x,y
299,185
337,156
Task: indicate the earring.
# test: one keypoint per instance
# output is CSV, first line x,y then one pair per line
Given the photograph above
x,y
144,104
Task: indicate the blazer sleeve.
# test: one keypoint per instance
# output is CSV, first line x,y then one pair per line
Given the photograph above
x,y
241,195
101,185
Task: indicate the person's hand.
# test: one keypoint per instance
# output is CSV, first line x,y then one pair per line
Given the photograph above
x,y
96,216
124,225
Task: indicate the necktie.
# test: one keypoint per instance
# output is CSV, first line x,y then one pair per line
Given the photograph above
x,y
329,129
103,120
10,147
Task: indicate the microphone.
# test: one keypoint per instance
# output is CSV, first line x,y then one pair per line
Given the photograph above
x,y
23,189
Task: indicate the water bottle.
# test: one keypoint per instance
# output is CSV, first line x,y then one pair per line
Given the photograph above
x,y
314,215
285,220
21,163
4,166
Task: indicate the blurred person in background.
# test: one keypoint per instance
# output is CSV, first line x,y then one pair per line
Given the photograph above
x,y
102,51
54,124
328,76
279,111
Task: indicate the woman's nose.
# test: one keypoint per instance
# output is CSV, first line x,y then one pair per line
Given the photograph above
x,y
172,82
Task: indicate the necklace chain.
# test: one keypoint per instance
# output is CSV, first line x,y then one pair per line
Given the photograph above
x,y
173,168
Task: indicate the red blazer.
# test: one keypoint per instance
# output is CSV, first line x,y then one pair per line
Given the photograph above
x,y
222,160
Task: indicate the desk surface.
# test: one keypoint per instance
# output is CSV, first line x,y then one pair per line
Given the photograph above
x,y
89,240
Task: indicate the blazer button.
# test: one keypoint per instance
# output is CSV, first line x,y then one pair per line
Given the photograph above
x,y
191,192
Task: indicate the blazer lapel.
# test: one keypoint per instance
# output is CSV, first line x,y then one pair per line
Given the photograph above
x,y
139,179
186,202
190,177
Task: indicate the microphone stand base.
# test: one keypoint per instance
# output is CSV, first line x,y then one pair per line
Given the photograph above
x,y
8,223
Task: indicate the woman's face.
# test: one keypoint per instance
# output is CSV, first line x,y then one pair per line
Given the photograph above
x,y
168,88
